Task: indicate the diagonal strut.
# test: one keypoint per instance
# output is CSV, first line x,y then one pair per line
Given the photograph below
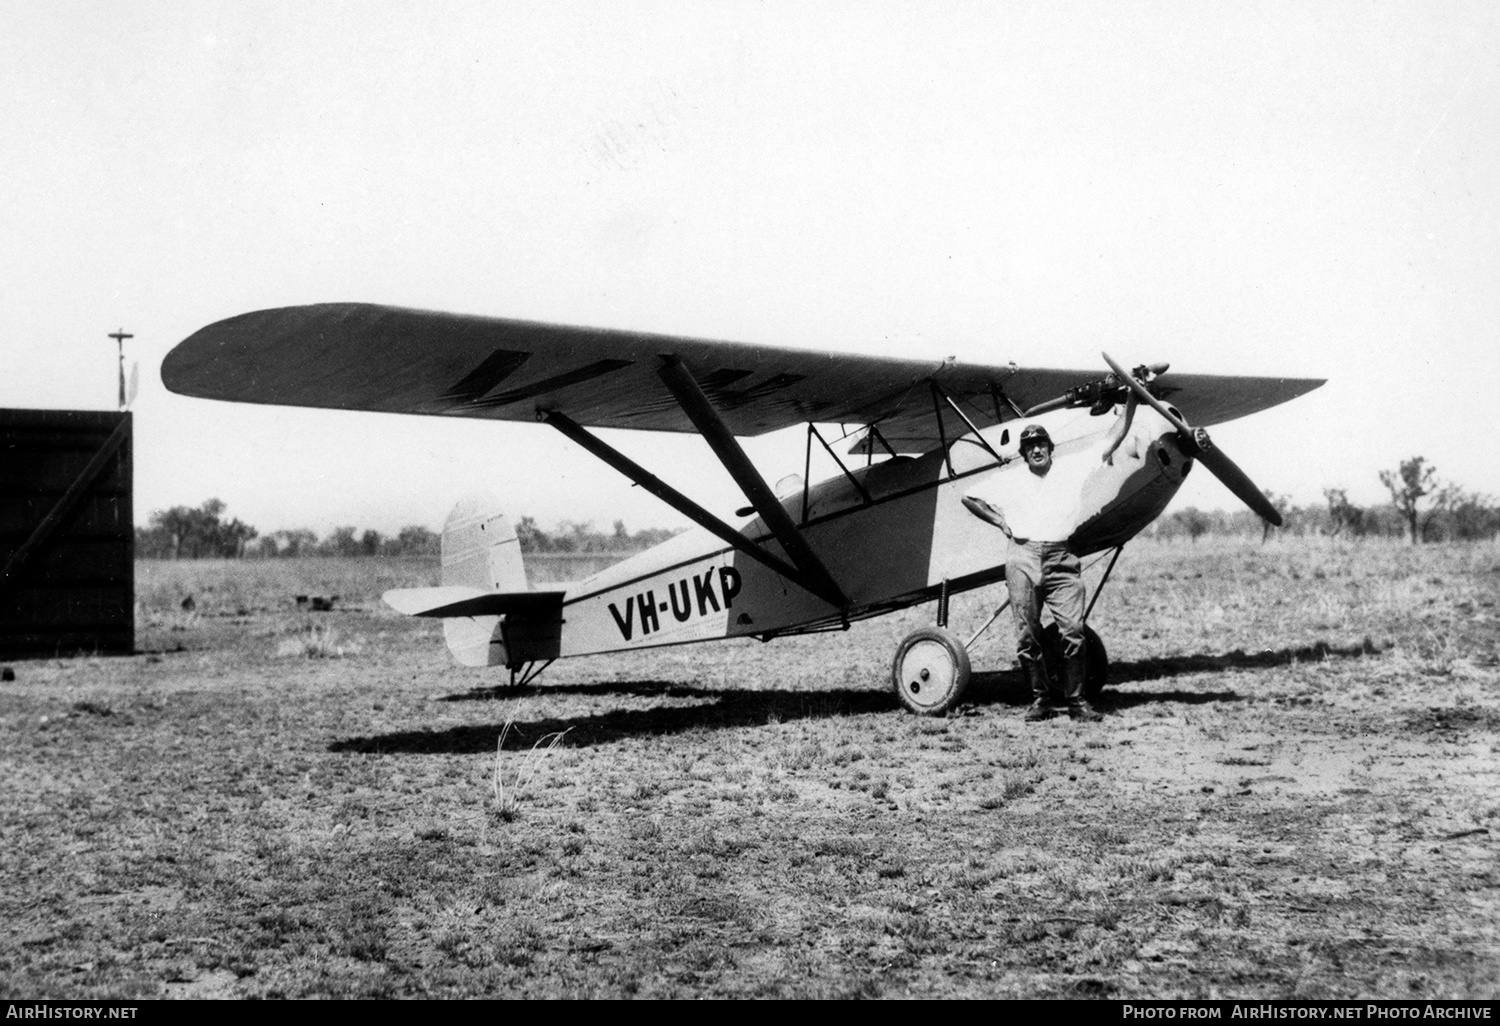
x,y
721,440
671,496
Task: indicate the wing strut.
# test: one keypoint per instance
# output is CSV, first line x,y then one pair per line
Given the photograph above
x,y
937,416
999,460
672,497
685,389
812,432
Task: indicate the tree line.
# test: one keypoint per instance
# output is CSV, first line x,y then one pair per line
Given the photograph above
x,y
1423,508
183,532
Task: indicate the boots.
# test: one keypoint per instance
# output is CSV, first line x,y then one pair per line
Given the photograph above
x,y
1041,699
1039,710
1078,706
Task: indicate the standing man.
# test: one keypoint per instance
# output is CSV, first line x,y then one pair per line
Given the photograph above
x,y
1038,511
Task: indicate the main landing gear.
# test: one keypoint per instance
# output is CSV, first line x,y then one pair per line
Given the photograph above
x,y
1095,658
931,670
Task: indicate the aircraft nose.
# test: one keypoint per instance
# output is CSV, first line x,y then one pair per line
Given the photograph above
x,y
1168,453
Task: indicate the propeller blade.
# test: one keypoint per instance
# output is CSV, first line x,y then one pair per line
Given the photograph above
x,y
1199,445
1235,479
1145,396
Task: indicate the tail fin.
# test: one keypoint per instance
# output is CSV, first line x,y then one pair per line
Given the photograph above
x,y
483,581
480,548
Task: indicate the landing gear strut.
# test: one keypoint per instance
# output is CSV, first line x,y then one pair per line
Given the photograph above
x,y
522,674
931,670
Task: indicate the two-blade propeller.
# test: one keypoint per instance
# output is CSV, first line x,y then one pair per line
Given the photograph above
x,y
1196,443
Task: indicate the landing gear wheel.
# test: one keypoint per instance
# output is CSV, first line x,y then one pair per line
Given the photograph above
x,y
930,671
1095,659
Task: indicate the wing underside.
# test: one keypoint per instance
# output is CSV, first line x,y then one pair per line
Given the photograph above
x,y
357,356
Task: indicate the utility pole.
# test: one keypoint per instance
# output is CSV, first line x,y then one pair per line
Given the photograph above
x,y
120,337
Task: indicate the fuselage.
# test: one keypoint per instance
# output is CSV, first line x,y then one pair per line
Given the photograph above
x,y
894,549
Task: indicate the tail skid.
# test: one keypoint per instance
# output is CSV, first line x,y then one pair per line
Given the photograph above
x,y
490,615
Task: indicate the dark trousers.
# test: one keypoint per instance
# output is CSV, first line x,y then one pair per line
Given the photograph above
x,y
1037,573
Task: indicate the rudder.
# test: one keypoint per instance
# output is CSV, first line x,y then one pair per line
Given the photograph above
x,y
490,616
480,547
480,550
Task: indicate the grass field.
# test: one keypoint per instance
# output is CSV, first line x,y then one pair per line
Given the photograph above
x,y
1295,793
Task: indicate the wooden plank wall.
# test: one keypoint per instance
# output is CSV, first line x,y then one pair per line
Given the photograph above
x,y
75,591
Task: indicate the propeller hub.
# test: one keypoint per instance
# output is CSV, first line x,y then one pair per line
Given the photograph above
x,y
1217,462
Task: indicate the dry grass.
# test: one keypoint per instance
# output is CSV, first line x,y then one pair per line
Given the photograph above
x,y
1294,794
228,588
318,641
507,798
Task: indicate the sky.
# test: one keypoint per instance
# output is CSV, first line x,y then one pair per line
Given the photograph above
x,y
1309,190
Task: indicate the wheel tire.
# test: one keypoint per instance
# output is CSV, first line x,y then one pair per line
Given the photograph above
x,y
1096,660
931,671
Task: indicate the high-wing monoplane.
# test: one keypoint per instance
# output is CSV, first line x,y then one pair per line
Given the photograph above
x,y
887,532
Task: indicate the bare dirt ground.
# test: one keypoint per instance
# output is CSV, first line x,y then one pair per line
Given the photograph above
x,y
1295,793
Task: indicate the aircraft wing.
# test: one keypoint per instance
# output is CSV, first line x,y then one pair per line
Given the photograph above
x,y
358,356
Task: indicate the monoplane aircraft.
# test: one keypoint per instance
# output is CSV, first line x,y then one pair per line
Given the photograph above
x,y
887,532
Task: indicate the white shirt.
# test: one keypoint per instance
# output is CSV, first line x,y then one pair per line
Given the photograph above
x,y
1040,507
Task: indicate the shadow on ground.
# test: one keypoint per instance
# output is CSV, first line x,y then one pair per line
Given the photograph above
x,y
1239,659
729,708
717,710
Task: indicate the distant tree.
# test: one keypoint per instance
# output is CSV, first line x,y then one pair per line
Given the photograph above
x,y
1343,515
1194,521
414,540
575,536
184,532
234,536
1475,517
531,537
649,536
299,541
369,543
341,543
1409,484
1283,505
580,537
1461,516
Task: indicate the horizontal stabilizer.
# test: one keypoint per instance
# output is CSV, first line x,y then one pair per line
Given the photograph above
x,y
462,600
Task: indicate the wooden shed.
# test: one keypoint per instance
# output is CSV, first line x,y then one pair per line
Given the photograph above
x,y
67,533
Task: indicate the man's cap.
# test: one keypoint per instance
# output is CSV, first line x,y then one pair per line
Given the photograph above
x,y
1035,433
